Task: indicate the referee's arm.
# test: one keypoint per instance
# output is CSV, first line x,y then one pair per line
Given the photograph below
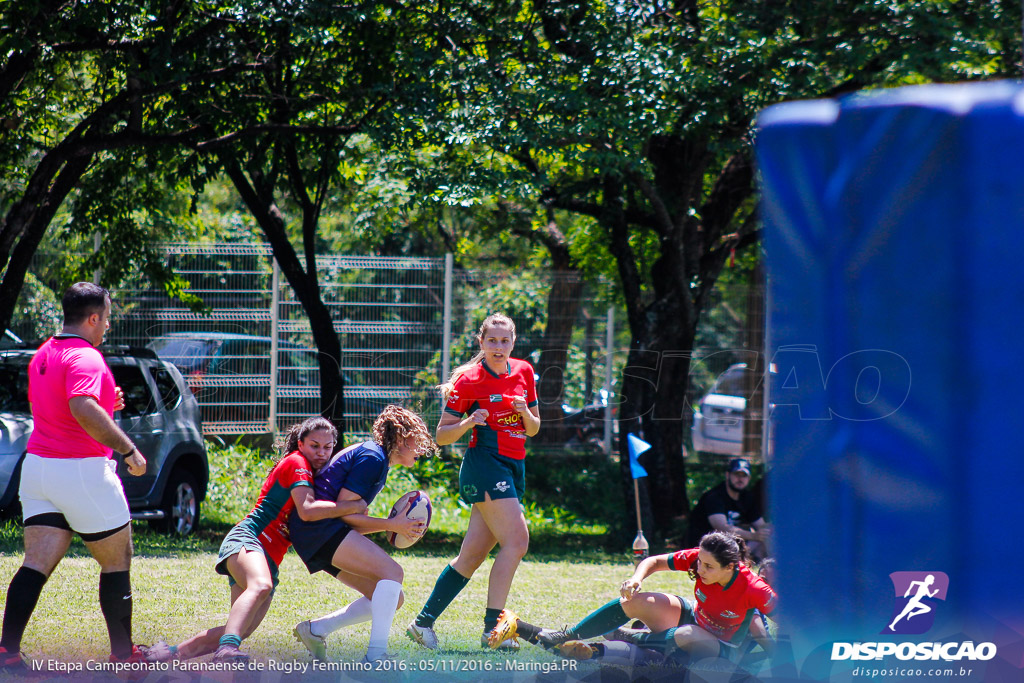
x,y
100,426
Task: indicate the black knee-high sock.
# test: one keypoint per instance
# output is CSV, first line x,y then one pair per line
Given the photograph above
x,y
116,604
22,596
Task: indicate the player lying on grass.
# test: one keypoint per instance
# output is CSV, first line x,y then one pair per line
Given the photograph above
x,y
493,396
357,474
727,596
252,551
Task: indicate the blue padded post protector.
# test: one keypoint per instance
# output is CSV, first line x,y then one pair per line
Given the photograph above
x,y
894,235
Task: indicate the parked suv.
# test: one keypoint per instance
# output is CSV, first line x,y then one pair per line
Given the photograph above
x,y
718,417
160,415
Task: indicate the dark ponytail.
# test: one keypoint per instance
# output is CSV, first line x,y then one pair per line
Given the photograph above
x,y
725,547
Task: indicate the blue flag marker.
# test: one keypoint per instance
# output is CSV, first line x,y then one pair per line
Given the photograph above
x,y
636,447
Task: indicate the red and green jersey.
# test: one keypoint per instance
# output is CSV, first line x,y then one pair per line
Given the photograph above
x,y
724,610
479,388
269,517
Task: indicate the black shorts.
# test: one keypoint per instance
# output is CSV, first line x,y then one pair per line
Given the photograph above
x,y
323,559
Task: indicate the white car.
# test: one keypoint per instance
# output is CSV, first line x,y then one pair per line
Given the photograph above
x,y
718,417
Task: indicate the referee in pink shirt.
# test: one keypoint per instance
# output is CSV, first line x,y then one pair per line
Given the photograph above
x,y
69,481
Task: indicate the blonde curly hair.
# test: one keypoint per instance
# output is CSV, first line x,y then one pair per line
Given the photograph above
x,y
395,424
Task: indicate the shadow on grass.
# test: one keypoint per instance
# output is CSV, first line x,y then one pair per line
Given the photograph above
x,y
150,543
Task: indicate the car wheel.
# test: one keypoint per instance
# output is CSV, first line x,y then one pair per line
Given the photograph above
x,y
181,504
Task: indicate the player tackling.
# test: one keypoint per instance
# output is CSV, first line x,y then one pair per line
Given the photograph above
x,y
357,474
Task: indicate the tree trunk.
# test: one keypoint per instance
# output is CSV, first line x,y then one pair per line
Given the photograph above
x,y
328,344
564,300
653,396
563,308
28,220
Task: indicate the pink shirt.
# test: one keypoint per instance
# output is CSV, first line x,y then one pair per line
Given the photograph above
x,y
61,369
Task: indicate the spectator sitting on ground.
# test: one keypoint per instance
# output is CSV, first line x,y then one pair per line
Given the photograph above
x,y
731,507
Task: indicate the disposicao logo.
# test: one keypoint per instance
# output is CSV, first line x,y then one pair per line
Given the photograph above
x,y
917,596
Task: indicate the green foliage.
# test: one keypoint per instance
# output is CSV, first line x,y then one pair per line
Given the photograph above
x,y
236,474
584,488
722,331
38,313
561,495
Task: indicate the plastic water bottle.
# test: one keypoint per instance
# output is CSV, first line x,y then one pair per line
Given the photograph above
x,y
640,548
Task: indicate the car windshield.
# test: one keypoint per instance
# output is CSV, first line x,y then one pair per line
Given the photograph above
x,y
14,388
733,383
737,382
190,355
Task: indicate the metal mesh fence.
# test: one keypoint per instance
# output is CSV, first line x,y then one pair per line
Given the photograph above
x,y
726,386
391,317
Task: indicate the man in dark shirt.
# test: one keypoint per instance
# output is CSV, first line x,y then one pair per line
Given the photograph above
x,y
732,507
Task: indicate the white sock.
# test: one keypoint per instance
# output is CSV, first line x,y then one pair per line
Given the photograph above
x,y
383,606
355,612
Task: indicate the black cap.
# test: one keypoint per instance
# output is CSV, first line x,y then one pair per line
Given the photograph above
x,y
739,465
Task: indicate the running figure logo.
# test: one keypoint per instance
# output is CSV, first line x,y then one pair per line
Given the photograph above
x,y
916,594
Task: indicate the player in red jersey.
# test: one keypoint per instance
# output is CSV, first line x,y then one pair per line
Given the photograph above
x,y
726,595
493,395
252,551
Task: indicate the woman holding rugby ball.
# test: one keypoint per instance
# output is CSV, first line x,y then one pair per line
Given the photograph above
x,y
356,475
252,551
493,396
727,598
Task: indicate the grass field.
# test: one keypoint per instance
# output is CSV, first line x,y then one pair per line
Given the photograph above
x,y
567,573
176,592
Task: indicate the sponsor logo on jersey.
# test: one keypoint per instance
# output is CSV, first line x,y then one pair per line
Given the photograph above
x,y
508,420
728,614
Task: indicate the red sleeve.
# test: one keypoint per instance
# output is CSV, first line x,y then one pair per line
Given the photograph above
x,y
682,560
83,374
460,400
531,386
294,471
763,596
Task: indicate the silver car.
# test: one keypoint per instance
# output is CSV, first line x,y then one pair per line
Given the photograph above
x,y
160,415
718,417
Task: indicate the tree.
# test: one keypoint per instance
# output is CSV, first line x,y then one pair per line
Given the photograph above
x,y
79,83
321,74
641,116
268,93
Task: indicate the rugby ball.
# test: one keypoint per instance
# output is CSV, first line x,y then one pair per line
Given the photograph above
x,y
412,505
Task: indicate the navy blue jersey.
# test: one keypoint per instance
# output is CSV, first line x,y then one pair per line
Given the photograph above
x,y
362,469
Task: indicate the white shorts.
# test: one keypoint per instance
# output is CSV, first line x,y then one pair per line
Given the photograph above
x,y
87,491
